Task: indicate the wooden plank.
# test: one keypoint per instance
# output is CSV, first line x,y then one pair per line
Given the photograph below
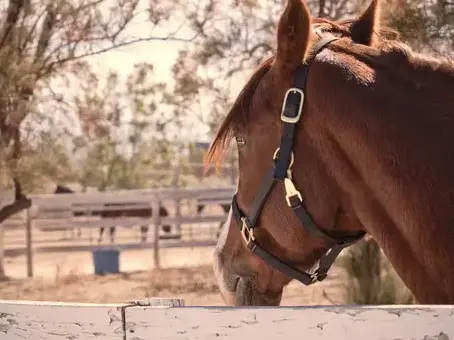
x,y
165,319
128,199
140,192
215,201
314,323
133,196
52,320
52,224
88,207
13,225
125,222
13,252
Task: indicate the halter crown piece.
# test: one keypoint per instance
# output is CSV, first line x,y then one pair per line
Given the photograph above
x,y
281,170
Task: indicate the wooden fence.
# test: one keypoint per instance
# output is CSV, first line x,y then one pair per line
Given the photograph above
x,y
52,211
166,319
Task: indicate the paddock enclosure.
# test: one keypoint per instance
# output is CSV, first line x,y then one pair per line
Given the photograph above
x,y
195,216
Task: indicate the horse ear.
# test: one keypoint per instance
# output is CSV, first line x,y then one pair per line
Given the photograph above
x,y
364,29
293,36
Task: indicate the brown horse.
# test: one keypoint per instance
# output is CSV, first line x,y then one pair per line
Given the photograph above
x,y
373,153
113,213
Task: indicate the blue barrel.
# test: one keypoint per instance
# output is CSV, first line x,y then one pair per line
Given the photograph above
x,y
106,261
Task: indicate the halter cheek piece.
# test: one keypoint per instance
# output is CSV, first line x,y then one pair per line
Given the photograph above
x,y
282,171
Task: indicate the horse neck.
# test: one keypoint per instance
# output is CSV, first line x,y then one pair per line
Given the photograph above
x,y
394,160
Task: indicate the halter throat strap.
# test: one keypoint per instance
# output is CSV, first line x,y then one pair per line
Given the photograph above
x,y
282,171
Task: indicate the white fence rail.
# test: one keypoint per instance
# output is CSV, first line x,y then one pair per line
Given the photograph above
x,y
170,320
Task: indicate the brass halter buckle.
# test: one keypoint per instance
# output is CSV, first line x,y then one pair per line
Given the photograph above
x,y
299,109
317,276
246,232
290,191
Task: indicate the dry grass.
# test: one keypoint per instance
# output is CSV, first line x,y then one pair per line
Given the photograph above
x,y
65,278
72,287
182,280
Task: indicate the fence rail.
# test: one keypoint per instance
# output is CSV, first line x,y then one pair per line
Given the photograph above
x,y
166,319
12,252
125,196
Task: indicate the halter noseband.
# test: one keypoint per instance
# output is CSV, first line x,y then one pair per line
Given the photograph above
x,y
282,171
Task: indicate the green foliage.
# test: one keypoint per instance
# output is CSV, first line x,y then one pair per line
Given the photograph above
x,y
123,135
123,131
43,162
370,278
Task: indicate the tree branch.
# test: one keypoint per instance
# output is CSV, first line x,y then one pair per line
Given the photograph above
x,y
18,205
12,17
51,65
21,202
46,32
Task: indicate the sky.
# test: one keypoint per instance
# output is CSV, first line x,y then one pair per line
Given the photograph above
x,y
162,54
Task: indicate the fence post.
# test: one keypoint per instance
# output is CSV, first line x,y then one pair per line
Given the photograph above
x,y
157,225
28,240
176,184
178,216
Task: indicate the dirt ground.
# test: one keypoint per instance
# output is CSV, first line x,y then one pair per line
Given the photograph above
x,y
187,273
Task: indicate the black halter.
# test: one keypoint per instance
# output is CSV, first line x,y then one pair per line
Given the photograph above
x,y
282,171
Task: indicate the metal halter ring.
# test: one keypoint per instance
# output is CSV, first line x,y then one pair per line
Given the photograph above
x,y
292,157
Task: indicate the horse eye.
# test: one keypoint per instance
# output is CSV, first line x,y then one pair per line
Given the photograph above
x,y
240,141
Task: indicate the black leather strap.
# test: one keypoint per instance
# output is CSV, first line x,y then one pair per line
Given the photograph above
x,y
260,198
288,270
291,109
325,262
288,133
307,221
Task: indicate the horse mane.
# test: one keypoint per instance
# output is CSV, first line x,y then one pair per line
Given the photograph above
x,y
220,144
